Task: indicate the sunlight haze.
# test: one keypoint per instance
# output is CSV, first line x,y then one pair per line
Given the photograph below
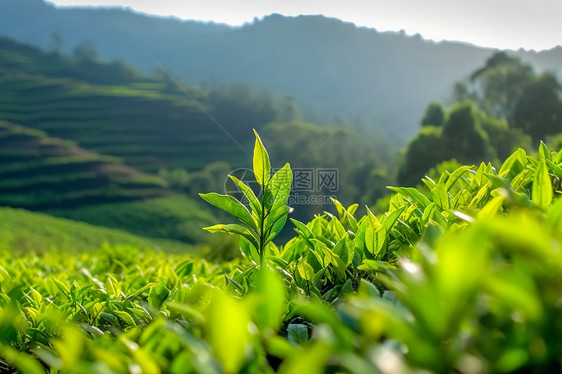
x,y
509,24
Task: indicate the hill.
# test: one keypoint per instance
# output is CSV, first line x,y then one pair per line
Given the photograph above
x,y
110,109
332,68
21,230
83,139
40,172
174,217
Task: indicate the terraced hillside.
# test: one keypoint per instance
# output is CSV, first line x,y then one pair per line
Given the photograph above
x,y
40,172
109,109
83,139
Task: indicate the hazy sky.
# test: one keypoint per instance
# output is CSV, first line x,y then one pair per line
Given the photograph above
x,y
531,24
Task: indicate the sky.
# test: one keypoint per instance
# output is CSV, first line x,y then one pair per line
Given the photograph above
x,y
505,24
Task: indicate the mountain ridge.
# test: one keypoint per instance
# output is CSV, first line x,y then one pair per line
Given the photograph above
x,y
329,66
171,17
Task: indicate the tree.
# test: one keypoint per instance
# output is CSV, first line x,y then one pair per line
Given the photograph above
x,y
538,111
58,43
503,139
469,135
177,179
424,152
463,134
434,115
359,162
498,85
86,51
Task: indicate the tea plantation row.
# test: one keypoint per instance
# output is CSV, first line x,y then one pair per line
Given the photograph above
x,y
460,275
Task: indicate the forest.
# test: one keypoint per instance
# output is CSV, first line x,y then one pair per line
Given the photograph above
x,y
150,223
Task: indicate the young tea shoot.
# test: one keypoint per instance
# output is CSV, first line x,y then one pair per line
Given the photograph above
x,y
268,213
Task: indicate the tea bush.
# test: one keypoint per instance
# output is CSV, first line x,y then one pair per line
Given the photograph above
x,y
462,275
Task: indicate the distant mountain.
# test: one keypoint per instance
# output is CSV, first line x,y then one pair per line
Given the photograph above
x,y
332,68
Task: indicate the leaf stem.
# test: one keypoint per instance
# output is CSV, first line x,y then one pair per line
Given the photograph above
x,y
262,234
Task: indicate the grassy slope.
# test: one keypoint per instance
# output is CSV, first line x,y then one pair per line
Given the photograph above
x,y
173,217
21,230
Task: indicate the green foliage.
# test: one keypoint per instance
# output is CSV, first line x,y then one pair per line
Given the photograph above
x,y
23,231
434,115
464,134
175,217
363,159
468,135
539,108
268,214
424,151
510,89
460,276
500,83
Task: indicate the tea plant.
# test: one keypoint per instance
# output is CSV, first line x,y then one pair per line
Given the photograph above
x,y
460,275
268,214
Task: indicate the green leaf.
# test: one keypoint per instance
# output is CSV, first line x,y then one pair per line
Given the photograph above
x,y
235,229
262,166
250,195
302,229
125,317
230,205
514,163
228,332
544,153
557,170
360,234
142,357
352,209
491,208
279,188
305,271
278,222
346,215
554,215
416,197
311,360
339,208
457,174
62,287
391,218
249,250
270,297
344,250
297,333
372,218
375,239
428,212
542,187
441,197
157,295
186,311
372,265
558,159
499,182
139,291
